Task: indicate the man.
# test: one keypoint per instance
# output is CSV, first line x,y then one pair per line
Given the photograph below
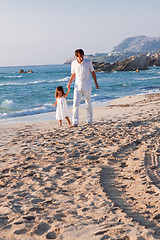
x,y
80,70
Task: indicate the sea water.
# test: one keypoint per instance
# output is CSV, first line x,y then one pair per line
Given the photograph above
x,y
33,94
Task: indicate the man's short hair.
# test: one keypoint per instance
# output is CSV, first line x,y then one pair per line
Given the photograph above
x,y
79,52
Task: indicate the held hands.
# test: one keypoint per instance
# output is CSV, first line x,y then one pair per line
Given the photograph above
x,y
69,85
97,86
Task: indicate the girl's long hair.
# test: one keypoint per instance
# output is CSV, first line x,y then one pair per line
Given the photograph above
x,y
60,88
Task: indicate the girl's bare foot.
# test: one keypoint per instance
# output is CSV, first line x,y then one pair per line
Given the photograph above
x,y
60,123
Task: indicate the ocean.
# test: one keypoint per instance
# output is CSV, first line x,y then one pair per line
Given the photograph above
x,y
32,94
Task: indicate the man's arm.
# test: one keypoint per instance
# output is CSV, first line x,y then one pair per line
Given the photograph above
x,y
71,80
95,79
67,93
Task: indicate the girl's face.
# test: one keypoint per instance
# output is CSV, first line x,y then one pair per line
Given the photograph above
x,y
59,93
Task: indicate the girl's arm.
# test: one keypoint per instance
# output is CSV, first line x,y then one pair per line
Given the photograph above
x,y
67,92
55,104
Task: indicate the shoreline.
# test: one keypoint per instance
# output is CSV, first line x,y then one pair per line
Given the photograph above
x,y
91,182
97,108
51,115
45,116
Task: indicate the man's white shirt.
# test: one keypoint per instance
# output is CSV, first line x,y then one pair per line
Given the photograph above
x,y
83,74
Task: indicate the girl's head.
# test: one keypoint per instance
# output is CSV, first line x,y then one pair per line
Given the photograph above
x,y
59,92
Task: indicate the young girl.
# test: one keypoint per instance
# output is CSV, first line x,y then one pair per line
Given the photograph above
x,y
62,109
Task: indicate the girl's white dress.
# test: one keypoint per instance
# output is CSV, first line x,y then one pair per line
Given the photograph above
x,y
62,109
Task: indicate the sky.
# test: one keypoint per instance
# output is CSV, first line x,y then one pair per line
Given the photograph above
x,y
42,32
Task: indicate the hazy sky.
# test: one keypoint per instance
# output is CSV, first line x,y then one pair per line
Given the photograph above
x,y
48,31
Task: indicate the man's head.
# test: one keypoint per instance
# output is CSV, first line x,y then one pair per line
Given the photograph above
x,y
79,53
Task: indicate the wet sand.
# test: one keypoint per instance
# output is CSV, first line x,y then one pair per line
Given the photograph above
x,y
90,182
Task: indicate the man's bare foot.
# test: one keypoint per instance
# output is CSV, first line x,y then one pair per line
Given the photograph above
x,y
75,125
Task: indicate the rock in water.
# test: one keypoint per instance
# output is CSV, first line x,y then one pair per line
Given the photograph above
x,y
29,71
21,71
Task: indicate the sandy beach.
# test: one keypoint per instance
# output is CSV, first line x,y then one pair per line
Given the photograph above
x,y
91,182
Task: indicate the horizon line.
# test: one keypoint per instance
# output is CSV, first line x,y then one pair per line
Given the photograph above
x,y
34,65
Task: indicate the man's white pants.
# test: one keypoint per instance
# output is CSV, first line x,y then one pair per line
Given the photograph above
x,y
76,103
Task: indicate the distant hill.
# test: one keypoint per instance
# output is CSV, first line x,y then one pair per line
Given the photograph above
x,y
128,47
99,57
140,44
106,57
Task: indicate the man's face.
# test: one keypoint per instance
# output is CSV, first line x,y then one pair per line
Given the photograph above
x,y
80,58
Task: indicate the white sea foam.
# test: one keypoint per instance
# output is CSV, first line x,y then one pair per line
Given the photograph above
x,y
154,91
148,78
19,76
151,91
63,79
30,118
125,84
21,84
34,82
95,95
8,104
44,109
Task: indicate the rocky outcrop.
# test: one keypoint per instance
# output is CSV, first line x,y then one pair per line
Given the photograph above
x,y
98,67
155,60
133,63
22,71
